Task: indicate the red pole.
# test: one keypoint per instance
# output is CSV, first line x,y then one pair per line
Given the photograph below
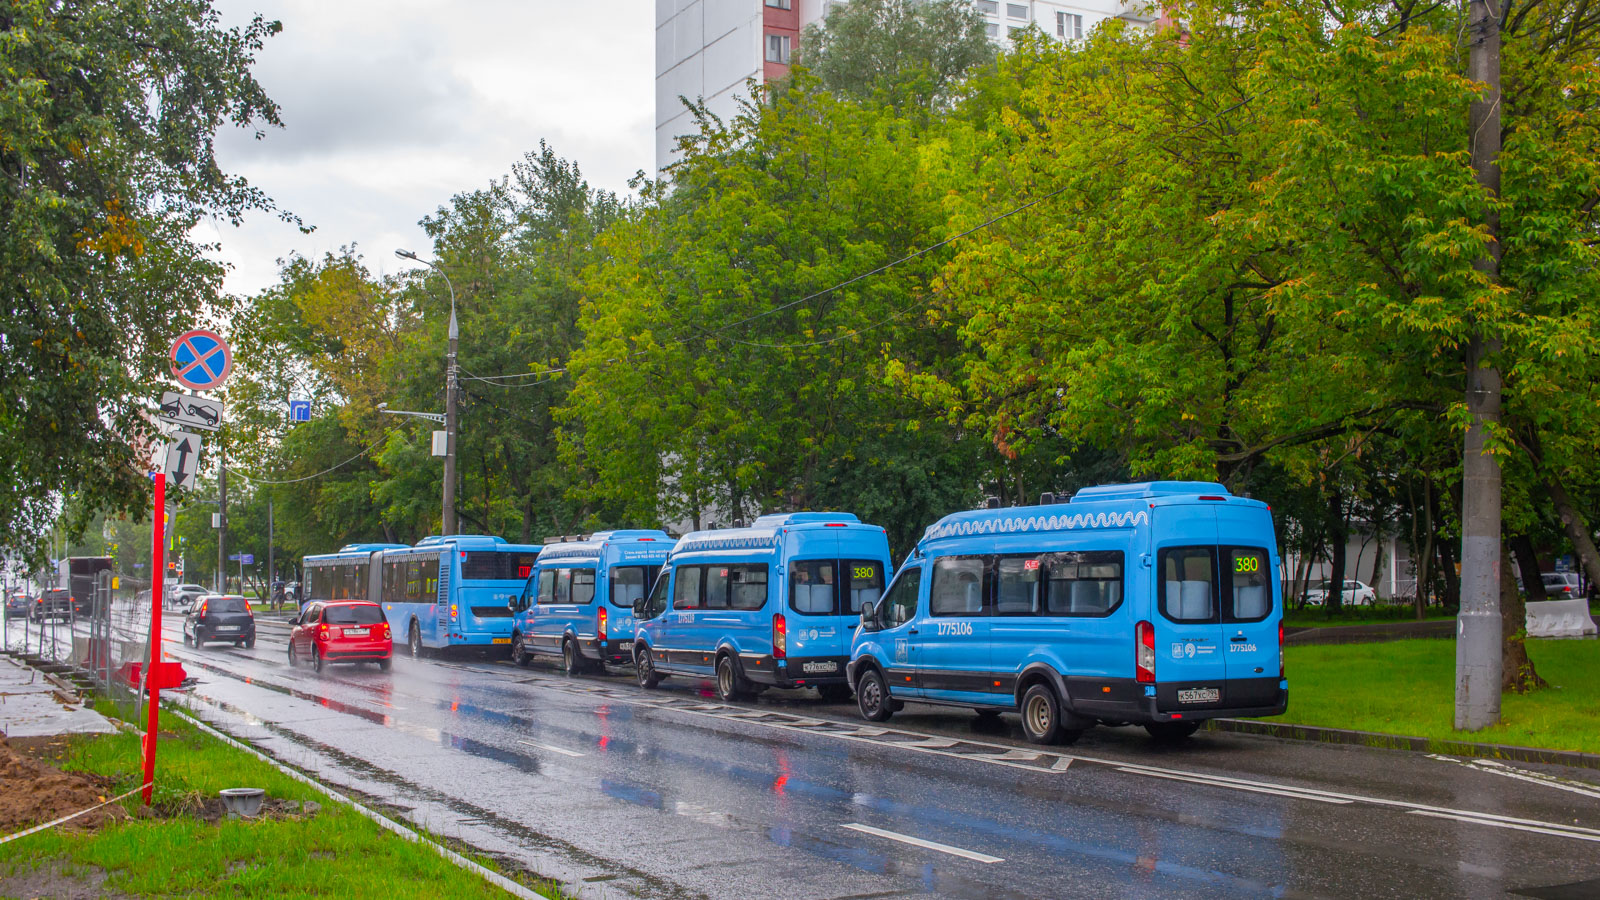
x,y
157,585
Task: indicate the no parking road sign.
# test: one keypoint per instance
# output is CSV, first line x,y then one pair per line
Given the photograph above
x,y
201,359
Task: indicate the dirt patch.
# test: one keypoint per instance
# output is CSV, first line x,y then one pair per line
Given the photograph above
x,y
58,883
39,792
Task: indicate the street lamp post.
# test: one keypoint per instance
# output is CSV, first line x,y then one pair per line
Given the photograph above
x,y
449,518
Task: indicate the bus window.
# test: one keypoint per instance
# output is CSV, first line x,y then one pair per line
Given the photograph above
x,y
900,604
1188,575
582,585
1251,594
547,586
811,586
686,587
957,586
1083,584
628,584
747,586
1017,591
496,565
863,584
563,586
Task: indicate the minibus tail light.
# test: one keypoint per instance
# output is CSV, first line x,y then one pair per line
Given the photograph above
x,y
780,637
600,626
1146,658
1280,650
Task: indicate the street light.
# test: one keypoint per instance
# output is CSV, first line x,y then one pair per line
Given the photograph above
x,y
449,517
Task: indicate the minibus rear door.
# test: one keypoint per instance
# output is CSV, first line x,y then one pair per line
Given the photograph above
x,y
1191,666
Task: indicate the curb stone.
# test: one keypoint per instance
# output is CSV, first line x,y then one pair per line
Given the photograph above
x,y
1402,742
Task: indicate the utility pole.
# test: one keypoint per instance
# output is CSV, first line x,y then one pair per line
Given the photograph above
x,y
448,517
1478,636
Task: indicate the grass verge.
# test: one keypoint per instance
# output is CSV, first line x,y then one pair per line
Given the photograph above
x,y
1408,688
1318,617
333,852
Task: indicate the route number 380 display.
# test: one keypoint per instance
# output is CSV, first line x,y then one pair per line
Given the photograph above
x,y
1247,564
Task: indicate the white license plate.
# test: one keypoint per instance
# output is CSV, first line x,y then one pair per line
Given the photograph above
x,y
227,628
1200,695
355,632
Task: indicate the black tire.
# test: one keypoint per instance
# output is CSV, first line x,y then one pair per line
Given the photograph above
x,y
833,693
519,652
731,687
414,641
250,643
385,665
645,665
1042,721
571,659
199,637
1171,732
872,697
316,660
294,658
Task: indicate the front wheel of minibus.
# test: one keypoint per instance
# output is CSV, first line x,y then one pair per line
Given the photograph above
x,y
646,667
1042,720
519,651
872,697
1171,732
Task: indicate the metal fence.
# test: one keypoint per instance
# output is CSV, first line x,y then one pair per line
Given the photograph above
x,y
102,642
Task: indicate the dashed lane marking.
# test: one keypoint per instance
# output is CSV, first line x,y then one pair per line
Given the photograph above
x,y
561,750
927,845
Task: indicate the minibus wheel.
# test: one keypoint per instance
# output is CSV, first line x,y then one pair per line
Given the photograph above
x,y
646,667
1171,732
1041,717
519,652
571,661
872,697
730,684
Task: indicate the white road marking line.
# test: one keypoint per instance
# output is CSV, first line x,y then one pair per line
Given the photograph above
x,y
1060,764
1480,820
1281,791
926,845
1537,778
560,750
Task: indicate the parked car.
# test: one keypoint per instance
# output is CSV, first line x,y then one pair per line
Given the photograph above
x,y
1562,585
353,631
1355,594
17,604
183,596
220,617
55,603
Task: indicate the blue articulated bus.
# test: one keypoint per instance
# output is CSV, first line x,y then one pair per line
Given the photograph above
x,y
1149,603
578,605
771,605
350,574
453,591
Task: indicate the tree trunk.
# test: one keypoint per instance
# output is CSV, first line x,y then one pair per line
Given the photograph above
x,y
1333,602
1528,565
1425,571
1377,564
1516,669
1452,579
1576,528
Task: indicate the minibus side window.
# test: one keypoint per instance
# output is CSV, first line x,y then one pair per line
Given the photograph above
x,y
547,586
812,586
628,584
747,586
900,604
582,586
1188,584
716,587
958,587
863,582
656,603
1248,587
686,587
1017,587
1087,583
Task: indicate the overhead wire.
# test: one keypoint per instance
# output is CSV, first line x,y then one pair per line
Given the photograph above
x,y
252,478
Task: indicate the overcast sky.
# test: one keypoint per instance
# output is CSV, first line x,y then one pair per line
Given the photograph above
x,y
392,107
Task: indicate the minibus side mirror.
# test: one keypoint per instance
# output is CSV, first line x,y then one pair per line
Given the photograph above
x,y
869,616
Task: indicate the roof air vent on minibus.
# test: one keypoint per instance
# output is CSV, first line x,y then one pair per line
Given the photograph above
x,y
1048,498
991,503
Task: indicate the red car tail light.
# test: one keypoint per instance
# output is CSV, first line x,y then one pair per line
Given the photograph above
x,y
202,612
1145,653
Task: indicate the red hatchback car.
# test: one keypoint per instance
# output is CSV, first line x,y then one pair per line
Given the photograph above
x,y
352,631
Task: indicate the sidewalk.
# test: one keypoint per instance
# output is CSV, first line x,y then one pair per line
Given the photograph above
x,y
34,703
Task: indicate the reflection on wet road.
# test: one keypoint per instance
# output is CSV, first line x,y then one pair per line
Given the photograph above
x,y
670,793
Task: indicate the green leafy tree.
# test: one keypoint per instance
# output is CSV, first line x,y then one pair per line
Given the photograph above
x,y
107,117
903,52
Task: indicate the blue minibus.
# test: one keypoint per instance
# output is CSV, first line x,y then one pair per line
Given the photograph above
x,y
578,603
1148,603
771,605
452,591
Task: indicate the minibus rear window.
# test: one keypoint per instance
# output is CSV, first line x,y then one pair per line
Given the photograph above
x,y
1248,572
863,581
1083,584
957,587
1188,584
812,586
628,584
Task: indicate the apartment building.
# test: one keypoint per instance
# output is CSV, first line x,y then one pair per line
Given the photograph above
x,y
709,49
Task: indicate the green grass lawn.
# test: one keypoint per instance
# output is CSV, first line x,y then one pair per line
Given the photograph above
x,y
335,852
1317,617
1408,688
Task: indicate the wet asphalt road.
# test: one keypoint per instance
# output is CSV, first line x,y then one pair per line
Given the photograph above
x,y
669,793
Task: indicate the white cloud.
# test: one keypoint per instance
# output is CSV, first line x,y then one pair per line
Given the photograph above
x,y
392,107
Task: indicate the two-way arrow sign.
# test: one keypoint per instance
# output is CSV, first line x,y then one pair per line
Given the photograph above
x,y
183,458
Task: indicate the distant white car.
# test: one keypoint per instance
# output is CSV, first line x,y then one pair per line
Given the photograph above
x,y
1562,585
1355,594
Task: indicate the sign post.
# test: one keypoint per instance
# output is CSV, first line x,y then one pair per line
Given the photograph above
x,y
157,588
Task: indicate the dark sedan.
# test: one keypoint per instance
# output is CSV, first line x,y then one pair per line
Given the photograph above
x,y
218,618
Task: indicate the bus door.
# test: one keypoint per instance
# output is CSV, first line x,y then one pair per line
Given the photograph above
x,y
951,644
1249,604
1191,663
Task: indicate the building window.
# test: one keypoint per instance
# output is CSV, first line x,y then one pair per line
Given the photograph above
x,y
779,4
991,29
989,7
778,48
1017,10
1069,26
